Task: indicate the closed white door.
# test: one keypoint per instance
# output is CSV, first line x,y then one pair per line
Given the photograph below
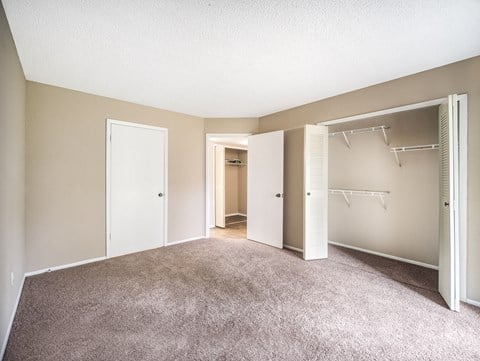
x,y
265,188
315,241
220,186
137,183
448,257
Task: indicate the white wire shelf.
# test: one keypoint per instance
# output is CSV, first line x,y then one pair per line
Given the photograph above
x,y
354,192
346,133
411,148
236,162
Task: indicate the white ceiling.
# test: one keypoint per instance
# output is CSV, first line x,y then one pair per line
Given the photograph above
x,y
236,58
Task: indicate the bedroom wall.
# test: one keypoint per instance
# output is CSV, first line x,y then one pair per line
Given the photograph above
x,y
12,177
65,219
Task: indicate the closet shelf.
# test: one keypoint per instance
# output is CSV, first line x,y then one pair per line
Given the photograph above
x,y
346,133
411,148
237,162
353,192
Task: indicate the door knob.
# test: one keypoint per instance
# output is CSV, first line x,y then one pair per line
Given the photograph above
x,y
160,194
278,195
446,204
308,193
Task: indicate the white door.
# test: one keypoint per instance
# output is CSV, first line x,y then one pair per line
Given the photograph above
x,y
265,188
220,186
315,240
137,184
448,257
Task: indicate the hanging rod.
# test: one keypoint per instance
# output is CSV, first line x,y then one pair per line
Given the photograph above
x,y
353,192
411,148
345,133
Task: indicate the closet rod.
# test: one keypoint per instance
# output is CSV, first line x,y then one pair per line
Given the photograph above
x,y
345,133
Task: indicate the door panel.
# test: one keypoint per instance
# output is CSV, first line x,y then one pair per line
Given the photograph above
x,y
220,186
137,189
265,188
315,242
448,257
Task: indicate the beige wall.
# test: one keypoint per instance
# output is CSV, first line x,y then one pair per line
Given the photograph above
x,y
408,228
231,183
66,172
293,188
235,183
231,125
460,77
242,182
12,175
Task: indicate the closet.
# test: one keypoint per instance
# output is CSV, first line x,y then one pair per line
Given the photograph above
x,y
384,185
230,186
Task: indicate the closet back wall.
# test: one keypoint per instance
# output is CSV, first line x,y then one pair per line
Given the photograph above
x,y
235,183
408,228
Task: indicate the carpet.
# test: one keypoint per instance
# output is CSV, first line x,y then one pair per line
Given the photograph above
x,y
220,299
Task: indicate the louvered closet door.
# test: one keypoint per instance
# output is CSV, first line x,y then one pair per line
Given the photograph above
x,y
448,257
315,242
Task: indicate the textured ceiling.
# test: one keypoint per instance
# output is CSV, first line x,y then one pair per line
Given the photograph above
x,y
236,58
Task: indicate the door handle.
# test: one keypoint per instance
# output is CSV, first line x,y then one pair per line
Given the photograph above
x,y
278,195
308,193
160,194
446,204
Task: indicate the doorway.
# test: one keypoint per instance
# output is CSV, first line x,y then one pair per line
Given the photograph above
x,y
136,187
226,185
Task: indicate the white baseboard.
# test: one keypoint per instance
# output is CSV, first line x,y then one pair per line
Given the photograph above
x,y
427,265
12,318
63,266
211,226
472,302
235,214
293,248
185,240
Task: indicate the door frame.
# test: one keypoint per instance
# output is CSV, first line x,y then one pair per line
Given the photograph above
x,y
208,137
108,145
462,166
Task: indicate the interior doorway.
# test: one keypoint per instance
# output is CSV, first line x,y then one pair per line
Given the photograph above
x,y
226,185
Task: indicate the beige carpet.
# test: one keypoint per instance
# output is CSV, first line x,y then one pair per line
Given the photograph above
x,y
239,300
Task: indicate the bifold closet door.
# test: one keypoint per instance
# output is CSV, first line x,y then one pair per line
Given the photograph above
x,y
315,239
220,186
137,186
448,256
265,188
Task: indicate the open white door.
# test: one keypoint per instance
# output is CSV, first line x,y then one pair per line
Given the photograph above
x,y
136,181
315,240
265,188
448,258
220,186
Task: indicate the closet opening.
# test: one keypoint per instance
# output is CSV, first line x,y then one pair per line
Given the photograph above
x,y
226,186
392,177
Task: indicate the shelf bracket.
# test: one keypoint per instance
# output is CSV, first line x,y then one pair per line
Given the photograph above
x,y
396,157
385,137
346,141
346,199
382,199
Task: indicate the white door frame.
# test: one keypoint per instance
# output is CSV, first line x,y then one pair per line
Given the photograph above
x,y
462,165
208,137
108,132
